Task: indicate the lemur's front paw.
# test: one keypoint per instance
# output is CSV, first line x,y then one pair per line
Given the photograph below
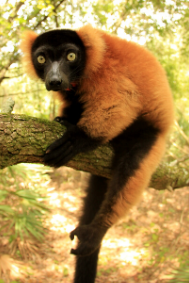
x,y
62,150
73,141
90,238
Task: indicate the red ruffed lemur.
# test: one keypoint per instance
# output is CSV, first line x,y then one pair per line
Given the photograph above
x,y
113,91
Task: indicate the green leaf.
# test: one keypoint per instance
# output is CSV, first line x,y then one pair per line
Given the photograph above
x,y
65,271
37,235
26,194
7,209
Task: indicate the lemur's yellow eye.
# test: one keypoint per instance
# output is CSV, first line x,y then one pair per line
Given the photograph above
x,y
41,59
71,56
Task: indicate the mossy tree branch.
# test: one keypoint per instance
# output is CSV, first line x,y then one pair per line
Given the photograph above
x,y
24,139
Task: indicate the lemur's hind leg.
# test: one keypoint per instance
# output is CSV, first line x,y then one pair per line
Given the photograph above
x,y
138,151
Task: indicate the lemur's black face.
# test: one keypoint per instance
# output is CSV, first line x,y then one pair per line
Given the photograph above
x,y
59,59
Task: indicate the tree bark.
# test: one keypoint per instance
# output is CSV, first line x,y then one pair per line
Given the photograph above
x,y
24,139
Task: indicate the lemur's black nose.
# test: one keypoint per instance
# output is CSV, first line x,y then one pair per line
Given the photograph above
x,y
55,82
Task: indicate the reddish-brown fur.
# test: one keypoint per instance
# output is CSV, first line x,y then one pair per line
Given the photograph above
x,y
129,81
121,81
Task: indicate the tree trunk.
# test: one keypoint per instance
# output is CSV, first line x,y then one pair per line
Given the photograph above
x,y
24,139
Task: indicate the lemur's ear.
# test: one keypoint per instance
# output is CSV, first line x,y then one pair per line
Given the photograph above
x,y
28,38
95,47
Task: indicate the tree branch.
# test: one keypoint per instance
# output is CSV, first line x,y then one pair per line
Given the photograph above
x,y
24,139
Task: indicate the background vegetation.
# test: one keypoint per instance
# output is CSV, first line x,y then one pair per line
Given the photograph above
x,y
161,26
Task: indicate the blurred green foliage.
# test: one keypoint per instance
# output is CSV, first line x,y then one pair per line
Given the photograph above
x,y
180,275
160,25
22,208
